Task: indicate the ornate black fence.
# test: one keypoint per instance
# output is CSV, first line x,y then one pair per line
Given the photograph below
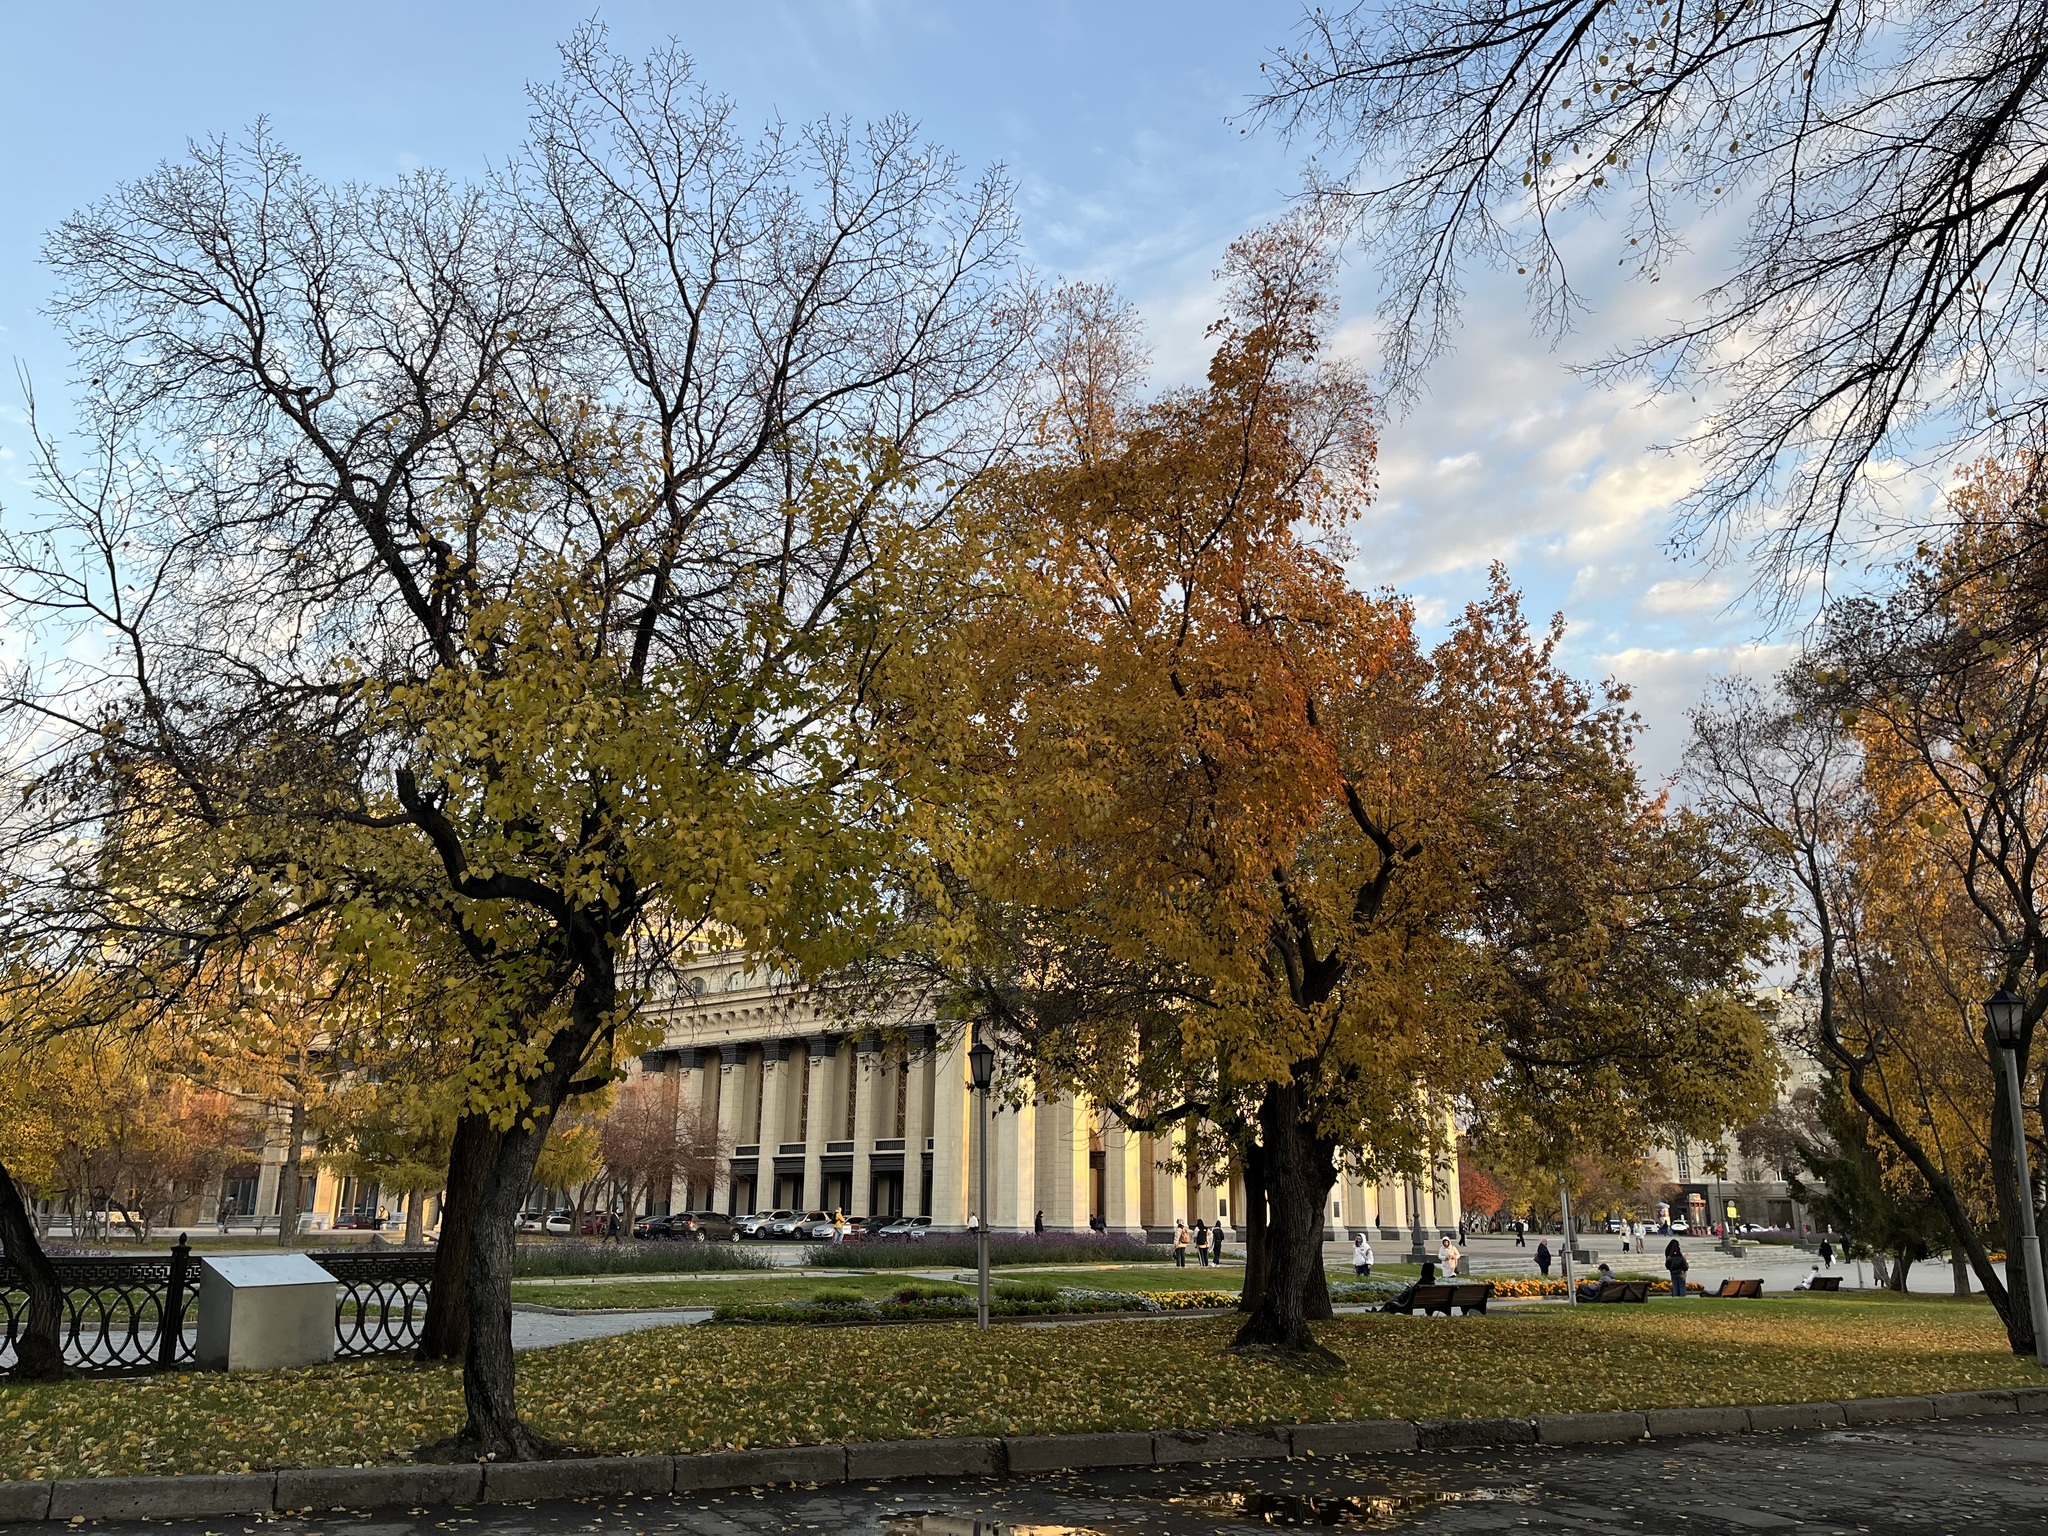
x,y
124,1315
382,1301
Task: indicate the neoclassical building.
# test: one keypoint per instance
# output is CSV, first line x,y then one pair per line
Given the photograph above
x,y
820,1116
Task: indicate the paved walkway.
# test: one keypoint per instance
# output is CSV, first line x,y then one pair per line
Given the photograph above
x,y
1986,1477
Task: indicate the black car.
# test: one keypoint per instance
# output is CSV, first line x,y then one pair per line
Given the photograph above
x,y
688,1227
657,1229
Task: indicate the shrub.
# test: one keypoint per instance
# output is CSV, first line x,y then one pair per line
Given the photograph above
x,y
838,1297
1027,1290
569,1257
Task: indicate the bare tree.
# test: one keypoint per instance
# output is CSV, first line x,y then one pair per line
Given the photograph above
x,y
1887,297
650,1142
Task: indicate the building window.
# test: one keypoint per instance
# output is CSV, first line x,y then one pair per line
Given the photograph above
x,y
1684,1160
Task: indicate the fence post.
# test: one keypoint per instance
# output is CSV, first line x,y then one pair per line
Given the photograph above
x,y
171,1334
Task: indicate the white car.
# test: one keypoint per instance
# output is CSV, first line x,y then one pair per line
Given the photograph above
x,y
555,1224
758,1224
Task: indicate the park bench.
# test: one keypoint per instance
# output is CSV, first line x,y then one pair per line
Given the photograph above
x,y
1616,1290
1442,1298
1824,1283
1740,1288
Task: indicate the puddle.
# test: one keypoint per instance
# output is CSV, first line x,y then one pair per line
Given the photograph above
x,y
960,1525
1340,1511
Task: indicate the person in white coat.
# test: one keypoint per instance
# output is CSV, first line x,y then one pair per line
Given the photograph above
x,y
1361,1255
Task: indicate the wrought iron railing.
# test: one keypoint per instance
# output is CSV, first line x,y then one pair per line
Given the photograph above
x,y
382,1302
127,1314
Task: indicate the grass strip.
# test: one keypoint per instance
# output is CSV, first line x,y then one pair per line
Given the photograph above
x,y
720,1388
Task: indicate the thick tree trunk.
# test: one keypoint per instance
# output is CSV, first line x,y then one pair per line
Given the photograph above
x,y
1901,1268
1960,1269
1299,1170
492,1430
39,1349
415,1218
288,1198
1257,1255
445,1335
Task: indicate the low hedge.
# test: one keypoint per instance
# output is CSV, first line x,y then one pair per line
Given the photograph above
x,y
924,1304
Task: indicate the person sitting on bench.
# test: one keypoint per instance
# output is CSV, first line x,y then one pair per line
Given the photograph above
x,y
1588,1289
1405,1302
1807,1283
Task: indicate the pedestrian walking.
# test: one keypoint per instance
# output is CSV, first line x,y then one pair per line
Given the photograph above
x,y
838,1225
1201,1242
1038,1224
1827,1254
1361,1255
1521,1234
1181,1240
1543,1258
1216,1244
1447,1256
973,1222
1675,1262
225,1208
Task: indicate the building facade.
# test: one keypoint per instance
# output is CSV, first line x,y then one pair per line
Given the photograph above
x,y
820,1116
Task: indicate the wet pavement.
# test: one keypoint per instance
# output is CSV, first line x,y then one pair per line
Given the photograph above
x,y
1985,1477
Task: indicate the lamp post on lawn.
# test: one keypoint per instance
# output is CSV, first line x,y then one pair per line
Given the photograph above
x,y
981,1061
2007,1015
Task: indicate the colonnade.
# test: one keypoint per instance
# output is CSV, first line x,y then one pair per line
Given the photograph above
x,y
823,1121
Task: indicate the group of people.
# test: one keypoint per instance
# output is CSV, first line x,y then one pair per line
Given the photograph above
x,y
1207,1241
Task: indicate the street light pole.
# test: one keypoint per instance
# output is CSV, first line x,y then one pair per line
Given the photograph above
x,y
982,1062
2007,1015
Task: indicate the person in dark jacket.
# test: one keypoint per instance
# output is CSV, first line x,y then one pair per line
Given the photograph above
x,y
1543,1259
1675,1262
1201,1242
1216,1245
1405,1302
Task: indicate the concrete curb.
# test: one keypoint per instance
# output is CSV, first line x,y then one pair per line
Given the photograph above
x,y
296,1489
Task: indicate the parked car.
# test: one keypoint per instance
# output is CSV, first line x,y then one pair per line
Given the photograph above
x,y
907,1229
554,1224
794,1225
709,1226
761,1223
820,1230
657,1229
1616,1225
1680,1227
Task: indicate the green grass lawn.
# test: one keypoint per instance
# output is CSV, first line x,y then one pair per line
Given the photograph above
x,y
706,1388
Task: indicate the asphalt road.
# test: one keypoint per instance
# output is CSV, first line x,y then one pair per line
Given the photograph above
x,y
1985,1477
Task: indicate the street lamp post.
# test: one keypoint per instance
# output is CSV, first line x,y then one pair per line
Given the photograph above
x,y
981,1061
2006,1015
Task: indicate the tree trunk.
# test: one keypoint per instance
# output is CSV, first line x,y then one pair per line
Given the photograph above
x,y
1902,1266
415,1218
288,1199
1299,1170
445,1335
1960,1267
492,1430
1257,1255
39,1350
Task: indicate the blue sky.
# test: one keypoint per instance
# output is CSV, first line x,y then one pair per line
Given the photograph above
x,y
1115,122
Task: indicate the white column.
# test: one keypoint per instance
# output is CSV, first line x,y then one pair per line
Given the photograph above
x,y
779,1092
732,1074
1013,1166
819,1118
917,1123
1063,1134
868,1081
1123,1175
952,1131
689,1088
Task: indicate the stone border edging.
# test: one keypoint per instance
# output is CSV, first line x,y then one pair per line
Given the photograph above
x,y
306,1489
